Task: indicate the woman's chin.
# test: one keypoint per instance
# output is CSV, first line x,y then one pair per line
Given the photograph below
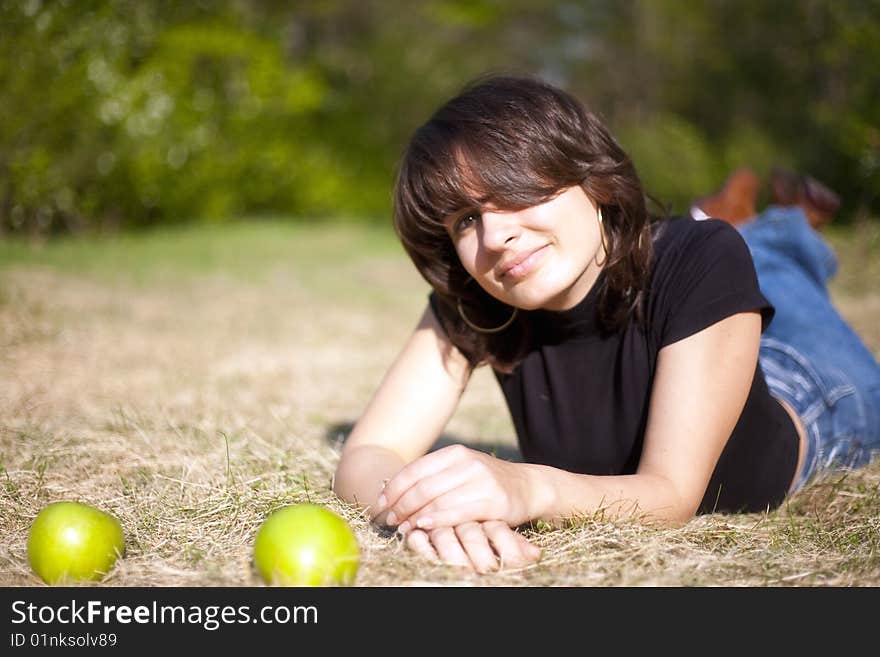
x,y
533,302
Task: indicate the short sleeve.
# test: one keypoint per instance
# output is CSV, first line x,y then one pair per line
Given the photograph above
x,y
704,277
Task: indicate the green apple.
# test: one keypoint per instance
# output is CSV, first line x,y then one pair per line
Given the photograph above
x,y
306,545
70,541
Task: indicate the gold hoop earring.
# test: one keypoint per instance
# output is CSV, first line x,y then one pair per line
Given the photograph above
x,y
480,329
602,238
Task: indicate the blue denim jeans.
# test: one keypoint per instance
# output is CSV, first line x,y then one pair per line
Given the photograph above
x,y
811,358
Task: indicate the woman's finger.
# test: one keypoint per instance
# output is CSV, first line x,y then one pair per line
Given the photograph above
x,y
513,549
449,548
476,544
424,493
530,550
425,466
465,503
419,542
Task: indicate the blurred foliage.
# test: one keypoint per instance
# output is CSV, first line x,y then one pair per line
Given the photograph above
x,y
137,112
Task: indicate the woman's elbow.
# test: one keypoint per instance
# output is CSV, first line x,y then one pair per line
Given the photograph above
x,y
681,506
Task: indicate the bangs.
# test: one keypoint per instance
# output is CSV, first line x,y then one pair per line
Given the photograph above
x,y
434,181
446,172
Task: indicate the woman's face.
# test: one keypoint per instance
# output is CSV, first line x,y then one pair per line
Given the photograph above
x,y
544,256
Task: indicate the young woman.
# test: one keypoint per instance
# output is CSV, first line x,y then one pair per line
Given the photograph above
x,y
627,347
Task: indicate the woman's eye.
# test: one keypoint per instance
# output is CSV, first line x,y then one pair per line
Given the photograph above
x,y
466,221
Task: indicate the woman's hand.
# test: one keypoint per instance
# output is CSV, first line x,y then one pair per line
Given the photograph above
x,y
457,485
479,546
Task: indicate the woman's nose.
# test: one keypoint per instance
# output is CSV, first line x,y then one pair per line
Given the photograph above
x,y
500,229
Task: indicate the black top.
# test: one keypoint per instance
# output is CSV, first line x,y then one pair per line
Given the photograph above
x,y
579,399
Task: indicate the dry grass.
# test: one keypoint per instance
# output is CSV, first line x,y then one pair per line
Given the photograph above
x,y
191,401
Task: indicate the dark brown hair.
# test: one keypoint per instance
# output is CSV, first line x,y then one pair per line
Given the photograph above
x,y
516,142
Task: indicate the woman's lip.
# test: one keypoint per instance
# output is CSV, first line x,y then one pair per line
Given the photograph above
x,y
525,266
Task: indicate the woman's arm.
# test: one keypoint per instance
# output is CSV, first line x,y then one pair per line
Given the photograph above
x,y
700,388
407,413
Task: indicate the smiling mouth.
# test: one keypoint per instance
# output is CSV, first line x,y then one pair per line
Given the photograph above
x,y
523,265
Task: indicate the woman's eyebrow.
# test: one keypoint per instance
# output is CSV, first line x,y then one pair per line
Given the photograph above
x,y
450,219
455,215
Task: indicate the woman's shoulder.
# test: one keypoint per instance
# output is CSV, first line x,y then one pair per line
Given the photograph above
x,y
685,241
702,270
683,231
708,253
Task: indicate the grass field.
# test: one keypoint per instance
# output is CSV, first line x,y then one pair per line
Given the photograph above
x,y
191,381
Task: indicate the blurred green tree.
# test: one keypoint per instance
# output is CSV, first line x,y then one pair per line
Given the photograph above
x,y
792,83
123,113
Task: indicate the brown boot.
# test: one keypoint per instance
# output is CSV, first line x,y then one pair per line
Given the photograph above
x,y
735,201
818,202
